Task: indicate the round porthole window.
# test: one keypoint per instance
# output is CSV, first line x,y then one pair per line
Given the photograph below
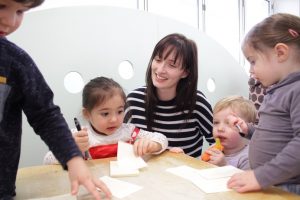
x,y
211,85
126,69
73,82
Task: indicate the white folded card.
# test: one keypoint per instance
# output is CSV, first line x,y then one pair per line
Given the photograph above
x,y
210,180
185,172
126,157
120,189
117,171
219,172
213,185
127,164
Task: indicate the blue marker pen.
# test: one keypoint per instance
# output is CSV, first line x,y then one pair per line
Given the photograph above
x,y
78,127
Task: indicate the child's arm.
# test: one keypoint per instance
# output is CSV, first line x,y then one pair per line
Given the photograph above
x,y
80,175
47,121
82,140
159,142
145,146
243,162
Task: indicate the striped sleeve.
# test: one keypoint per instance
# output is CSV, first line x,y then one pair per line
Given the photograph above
x,y
184,133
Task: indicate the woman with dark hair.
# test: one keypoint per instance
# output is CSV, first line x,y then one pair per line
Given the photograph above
x,y
170,102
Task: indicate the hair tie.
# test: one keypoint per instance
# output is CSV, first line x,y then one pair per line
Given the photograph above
x,y
294,33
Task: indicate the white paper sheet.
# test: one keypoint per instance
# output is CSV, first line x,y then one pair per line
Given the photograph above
x,y
126,157
219,172
117,171
210,180
120,189
212,186
185,172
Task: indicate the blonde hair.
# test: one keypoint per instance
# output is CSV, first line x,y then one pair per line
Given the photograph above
x,y
242,107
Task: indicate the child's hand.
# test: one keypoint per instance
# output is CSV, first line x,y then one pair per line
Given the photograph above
x,y
206,155
235,121
145,146
216,157
244,182
82,139
176,150
80,175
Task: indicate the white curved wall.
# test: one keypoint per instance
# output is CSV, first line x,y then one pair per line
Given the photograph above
x,y
93,40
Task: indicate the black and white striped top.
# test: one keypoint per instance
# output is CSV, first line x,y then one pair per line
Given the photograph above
x,y
187,135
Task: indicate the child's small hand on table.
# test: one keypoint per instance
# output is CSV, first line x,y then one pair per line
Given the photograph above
x,y
145,146
176,150
244,182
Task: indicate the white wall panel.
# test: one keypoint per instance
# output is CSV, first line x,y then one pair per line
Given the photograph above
x,y
93,40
